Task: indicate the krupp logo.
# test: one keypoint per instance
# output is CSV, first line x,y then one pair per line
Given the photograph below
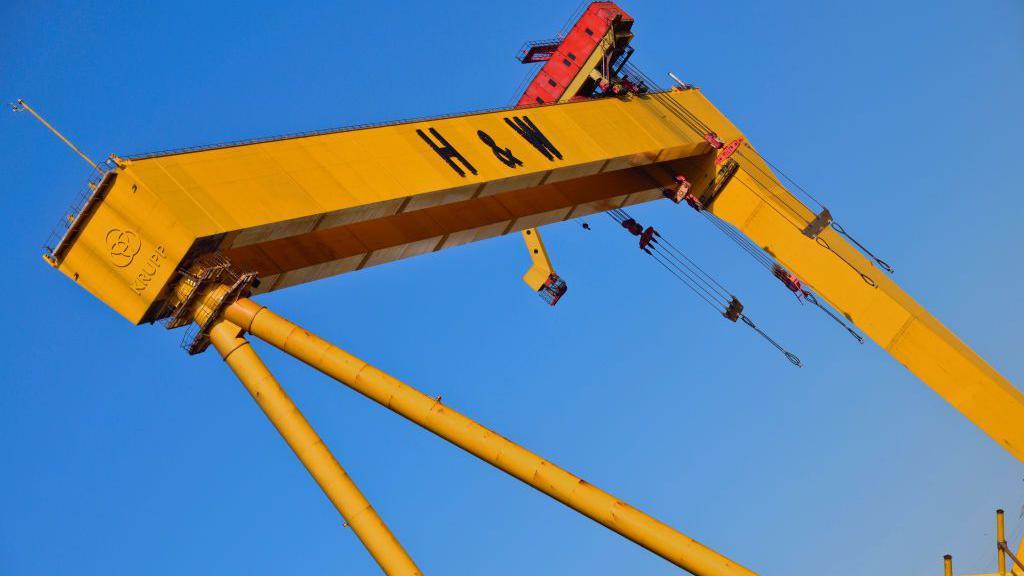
x,y
123,245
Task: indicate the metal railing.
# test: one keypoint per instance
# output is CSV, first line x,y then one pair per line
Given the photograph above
x,y
529,48
70,216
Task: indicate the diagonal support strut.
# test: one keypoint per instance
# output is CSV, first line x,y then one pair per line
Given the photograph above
x,y
229,341
483,443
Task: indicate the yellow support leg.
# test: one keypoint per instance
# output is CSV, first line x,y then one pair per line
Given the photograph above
x,y
481,442
1004,548
1000,542
227,338
541,269
1017,570
759,206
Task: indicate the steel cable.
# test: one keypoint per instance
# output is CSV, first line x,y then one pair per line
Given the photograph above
x,y
700,283
694,123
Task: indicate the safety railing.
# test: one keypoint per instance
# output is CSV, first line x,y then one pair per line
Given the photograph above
x,y
70,216
538,50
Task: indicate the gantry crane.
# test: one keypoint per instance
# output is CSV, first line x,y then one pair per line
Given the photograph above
x,y
189,237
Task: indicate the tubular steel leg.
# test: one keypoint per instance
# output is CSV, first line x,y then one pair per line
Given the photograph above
x,y
1019,570
307,445
481,442
1000,542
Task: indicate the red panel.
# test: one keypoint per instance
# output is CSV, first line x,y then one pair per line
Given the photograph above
x,y
578,45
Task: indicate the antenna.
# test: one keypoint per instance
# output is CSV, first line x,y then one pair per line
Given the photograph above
x,y
682,84
22,106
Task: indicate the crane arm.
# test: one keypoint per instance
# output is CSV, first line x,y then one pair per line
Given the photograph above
x,y
870,299
294,210
755,202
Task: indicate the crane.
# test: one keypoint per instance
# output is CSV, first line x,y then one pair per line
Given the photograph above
x,y
190,238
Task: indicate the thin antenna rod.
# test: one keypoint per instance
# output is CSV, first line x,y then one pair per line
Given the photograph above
x,y
21,106
682,84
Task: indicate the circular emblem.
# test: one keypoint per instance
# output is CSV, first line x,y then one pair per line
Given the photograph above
x,y
123,246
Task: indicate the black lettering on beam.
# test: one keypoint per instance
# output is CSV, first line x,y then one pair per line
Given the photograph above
x,y
529,131
447,152
504,154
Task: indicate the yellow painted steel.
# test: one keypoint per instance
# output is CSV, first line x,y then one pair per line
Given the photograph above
x,y
298,209
766,212
485,444
304,208
1017,565
1000,541
227,338
541,269
1017,570
947,562
756,203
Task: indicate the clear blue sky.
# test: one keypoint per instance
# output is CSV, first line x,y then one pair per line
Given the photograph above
x,y
121,455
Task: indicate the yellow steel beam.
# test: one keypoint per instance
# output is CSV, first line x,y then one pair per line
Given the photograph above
x,y
227,338
298,209
481,442
541,269
1004,550
755,203
1000,542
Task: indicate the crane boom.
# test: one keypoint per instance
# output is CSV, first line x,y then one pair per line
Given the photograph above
x,y
297,209
756,203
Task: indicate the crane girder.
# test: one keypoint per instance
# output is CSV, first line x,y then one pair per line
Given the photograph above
x,y
869,298
297,209
303,208
755,202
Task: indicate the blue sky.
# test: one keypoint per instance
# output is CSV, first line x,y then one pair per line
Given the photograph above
x,y
122,455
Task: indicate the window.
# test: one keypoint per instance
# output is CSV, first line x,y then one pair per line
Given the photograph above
x,y
552,82
566,62
572,56
539,101
589,32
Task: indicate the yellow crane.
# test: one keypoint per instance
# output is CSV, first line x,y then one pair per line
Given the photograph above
x,y
190,237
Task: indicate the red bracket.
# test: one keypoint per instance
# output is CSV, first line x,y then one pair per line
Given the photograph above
x,y
693,202
791,281
634,227
714,140
646,237
728,151
734,311
553,289
680,192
